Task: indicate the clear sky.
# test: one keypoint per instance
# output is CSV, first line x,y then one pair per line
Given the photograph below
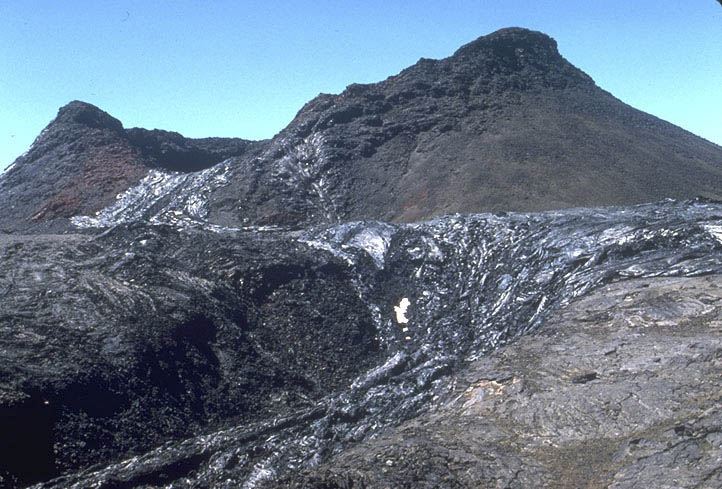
x,y
244,68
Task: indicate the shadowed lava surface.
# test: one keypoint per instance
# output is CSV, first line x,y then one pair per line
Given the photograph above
x,y
156,355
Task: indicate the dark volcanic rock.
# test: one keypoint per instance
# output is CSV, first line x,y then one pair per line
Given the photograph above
x,y
112,346
166,319
161,355
171,151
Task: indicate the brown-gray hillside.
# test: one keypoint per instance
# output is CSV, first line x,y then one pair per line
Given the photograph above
x,y
506,123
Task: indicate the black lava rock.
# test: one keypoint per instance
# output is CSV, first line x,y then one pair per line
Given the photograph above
x,y
224,313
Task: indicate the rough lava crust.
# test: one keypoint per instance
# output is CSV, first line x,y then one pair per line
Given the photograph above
x,y
438,280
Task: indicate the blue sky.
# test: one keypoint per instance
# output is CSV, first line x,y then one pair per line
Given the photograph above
x,y
244,68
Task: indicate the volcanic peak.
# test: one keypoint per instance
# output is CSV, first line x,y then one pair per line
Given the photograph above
x,y
507,61
509,39
505,123
517,58
87,114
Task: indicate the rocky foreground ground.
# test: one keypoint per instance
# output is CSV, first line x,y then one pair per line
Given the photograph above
x,y
621,389
540,350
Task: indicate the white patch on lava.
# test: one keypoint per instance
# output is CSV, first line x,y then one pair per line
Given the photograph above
x,y
401,311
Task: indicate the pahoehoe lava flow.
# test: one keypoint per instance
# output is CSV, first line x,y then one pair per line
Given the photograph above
x,y
227,313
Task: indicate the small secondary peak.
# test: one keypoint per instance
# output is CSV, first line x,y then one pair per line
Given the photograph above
x,y
87,114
